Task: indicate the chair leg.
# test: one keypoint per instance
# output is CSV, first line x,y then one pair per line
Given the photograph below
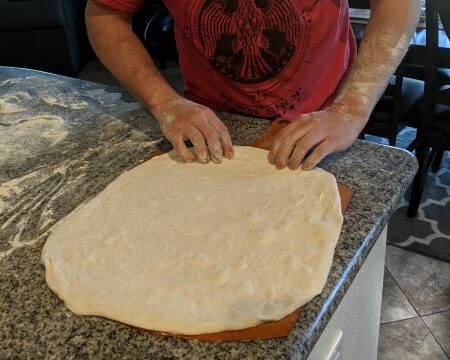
x,y
422,154
436,164
411,147
393,140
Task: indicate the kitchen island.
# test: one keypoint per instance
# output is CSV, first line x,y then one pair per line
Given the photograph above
x,y
63,140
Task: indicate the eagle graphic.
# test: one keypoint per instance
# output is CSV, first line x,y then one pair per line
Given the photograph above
x,y
250,41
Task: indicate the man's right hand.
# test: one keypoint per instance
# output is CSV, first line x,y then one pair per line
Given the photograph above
x,y
183,120
124,55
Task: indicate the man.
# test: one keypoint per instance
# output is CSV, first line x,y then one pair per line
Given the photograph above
x,y
294,59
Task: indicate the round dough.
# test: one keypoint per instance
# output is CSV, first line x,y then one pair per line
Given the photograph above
x,y
194,249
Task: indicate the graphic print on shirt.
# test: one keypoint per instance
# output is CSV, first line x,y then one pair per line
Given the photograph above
x,y
249,41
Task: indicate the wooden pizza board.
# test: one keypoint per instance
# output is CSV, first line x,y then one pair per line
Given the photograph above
x,y
272,329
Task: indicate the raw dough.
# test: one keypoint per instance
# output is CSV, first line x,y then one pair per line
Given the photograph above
x,y
195,249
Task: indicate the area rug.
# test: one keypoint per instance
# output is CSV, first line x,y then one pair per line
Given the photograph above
x,y
429,232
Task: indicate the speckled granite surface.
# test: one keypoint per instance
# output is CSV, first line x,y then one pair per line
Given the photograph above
x,y
62,141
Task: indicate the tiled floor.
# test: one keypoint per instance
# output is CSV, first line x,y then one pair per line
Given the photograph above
x,y
415,318
415,315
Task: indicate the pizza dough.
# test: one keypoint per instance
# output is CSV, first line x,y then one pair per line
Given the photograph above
x,y
194,249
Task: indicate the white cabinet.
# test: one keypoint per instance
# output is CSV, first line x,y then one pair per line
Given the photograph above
x,y
352,332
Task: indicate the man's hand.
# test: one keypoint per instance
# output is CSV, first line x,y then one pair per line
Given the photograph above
x,y
124,55
311,137
183,120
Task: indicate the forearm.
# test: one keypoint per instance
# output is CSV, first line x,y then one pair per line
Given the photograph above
x,y
385,42
123,54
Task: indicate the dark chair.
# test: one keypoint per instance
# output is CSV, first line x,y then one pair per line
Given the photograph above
x,y
415,59
154,26
400,102
47,35
433,136
397,108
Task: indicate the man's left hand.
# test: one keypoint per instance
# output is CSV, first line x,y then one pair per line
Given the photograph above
x,y
311,137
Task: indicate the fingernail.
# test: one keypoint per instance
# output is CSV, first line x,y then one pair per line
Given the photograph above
x,y
229,155
218,157
306,167
280,166
270,158
204,159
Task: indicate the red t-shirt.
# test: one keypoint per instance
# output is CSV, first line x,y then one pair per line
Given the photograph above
x,y
268,58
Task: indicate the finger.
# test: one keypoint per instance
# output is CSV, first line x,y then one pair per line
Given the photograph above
x,y
197,139
224,135
273,150
213,140
302,148
277,142
288,145
280,140
182,150
319,153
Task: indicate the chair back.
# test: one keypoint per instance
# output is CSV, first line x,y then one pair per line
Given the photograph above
x,y
435,58
435,10
444,14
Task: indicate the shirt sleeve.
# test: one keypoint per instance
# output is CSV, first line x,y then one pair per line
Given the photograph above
x,y
128,6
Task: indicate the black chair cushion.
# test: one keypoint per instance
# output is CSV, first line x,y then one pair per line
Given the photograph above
x,y
47,35
31,15
412,95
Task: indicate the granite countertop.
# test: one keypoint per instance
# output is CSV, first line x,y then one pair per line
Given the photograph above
x,y
63,140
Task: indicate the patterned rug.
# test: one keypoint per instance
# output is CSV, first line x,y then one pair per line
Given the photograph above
x,y
429,232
